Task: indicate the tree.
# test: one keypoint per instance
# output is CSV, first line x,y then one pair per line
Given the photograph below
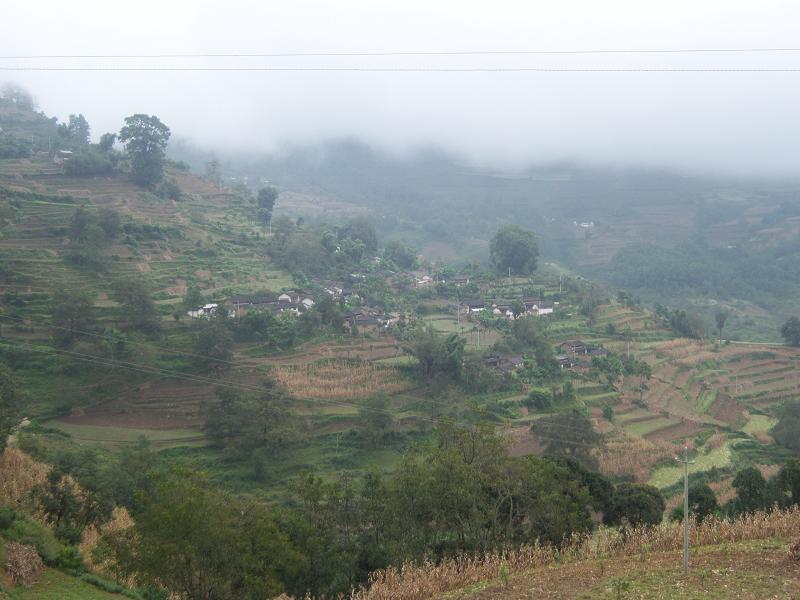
x,y
213,173
72,312
265,201
145,139
789,479
9,404
785,430
78,129
437,355
137,306
517,308
568,434
514,248
636,504
198,542
720,316
214,342
791,331
361,230
702,501
18,96
107,141
400,254
375,420
251,422
750,485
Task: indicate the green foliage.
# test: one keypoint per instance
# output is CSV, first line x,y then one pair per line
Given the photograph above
x,y
785,430
438,356
569,434
702,501
145,139
401,255
539,399
76,130
375,420
750,487
636,504
14,147
360,230
790,331
198,541
137,306
73,315
246,423
213,341
789,479
514,248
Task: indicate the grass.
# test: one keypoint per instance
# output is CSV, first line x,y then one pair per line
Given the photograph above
x,y
55,585
118,436
759,424
719,457
642,428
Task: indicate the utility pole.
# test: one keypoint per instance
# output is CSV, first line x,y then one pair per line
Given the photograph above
x,y
686,462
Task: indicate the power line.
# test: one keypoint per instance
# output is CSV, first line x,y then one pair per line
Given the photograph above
x,y
403,53
418,69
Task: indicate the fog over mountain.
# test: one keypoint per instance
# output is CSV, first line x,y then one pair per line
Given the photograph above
x,y
735,122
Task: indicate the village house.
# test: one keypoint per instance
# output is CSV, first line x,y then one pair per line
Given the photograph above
x,y
579,348
366,319
472,306
505,363
204,312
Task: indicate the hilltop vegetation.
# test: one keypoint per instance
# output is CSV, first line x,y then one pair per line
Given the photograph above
x,y
682,241
331,401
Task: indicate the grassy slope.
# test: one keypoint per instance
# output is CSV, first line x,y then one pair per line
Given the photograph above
x,y
759,569
55,585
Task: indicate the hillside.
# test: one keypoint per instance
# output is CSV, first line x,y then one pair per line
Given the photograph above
x,y
683,240
303,366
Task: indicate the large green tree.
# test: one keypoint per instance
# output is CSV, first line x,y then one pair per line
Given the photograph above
x,y
248,422
791,331
136,304
439,356
198,542
145,139
636,504
750,487
514,248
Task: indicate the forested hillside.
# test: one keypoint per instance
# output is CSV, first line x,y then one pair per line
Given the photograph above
x,y
668,238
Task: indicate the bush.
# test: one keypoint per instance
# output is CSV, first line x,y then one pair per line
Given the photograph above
x,y
539,399
70,558
87,163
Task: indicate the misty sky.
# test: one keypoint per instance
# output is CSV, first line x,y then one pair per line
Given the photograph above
x,y
741,123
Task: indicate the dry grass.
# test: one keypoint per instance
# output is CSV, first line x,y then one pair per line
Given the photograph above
x,y
120,520
19,473
23,564
340,380
415,582
635,456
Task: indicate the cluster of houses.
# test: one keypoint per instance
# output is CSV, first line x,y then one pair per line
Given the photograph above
x,y
574,353
369,319
296,302
503,308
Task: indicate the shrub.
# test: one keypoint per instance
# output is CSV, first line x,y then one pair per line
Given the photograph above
x,y
70,558
87,163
